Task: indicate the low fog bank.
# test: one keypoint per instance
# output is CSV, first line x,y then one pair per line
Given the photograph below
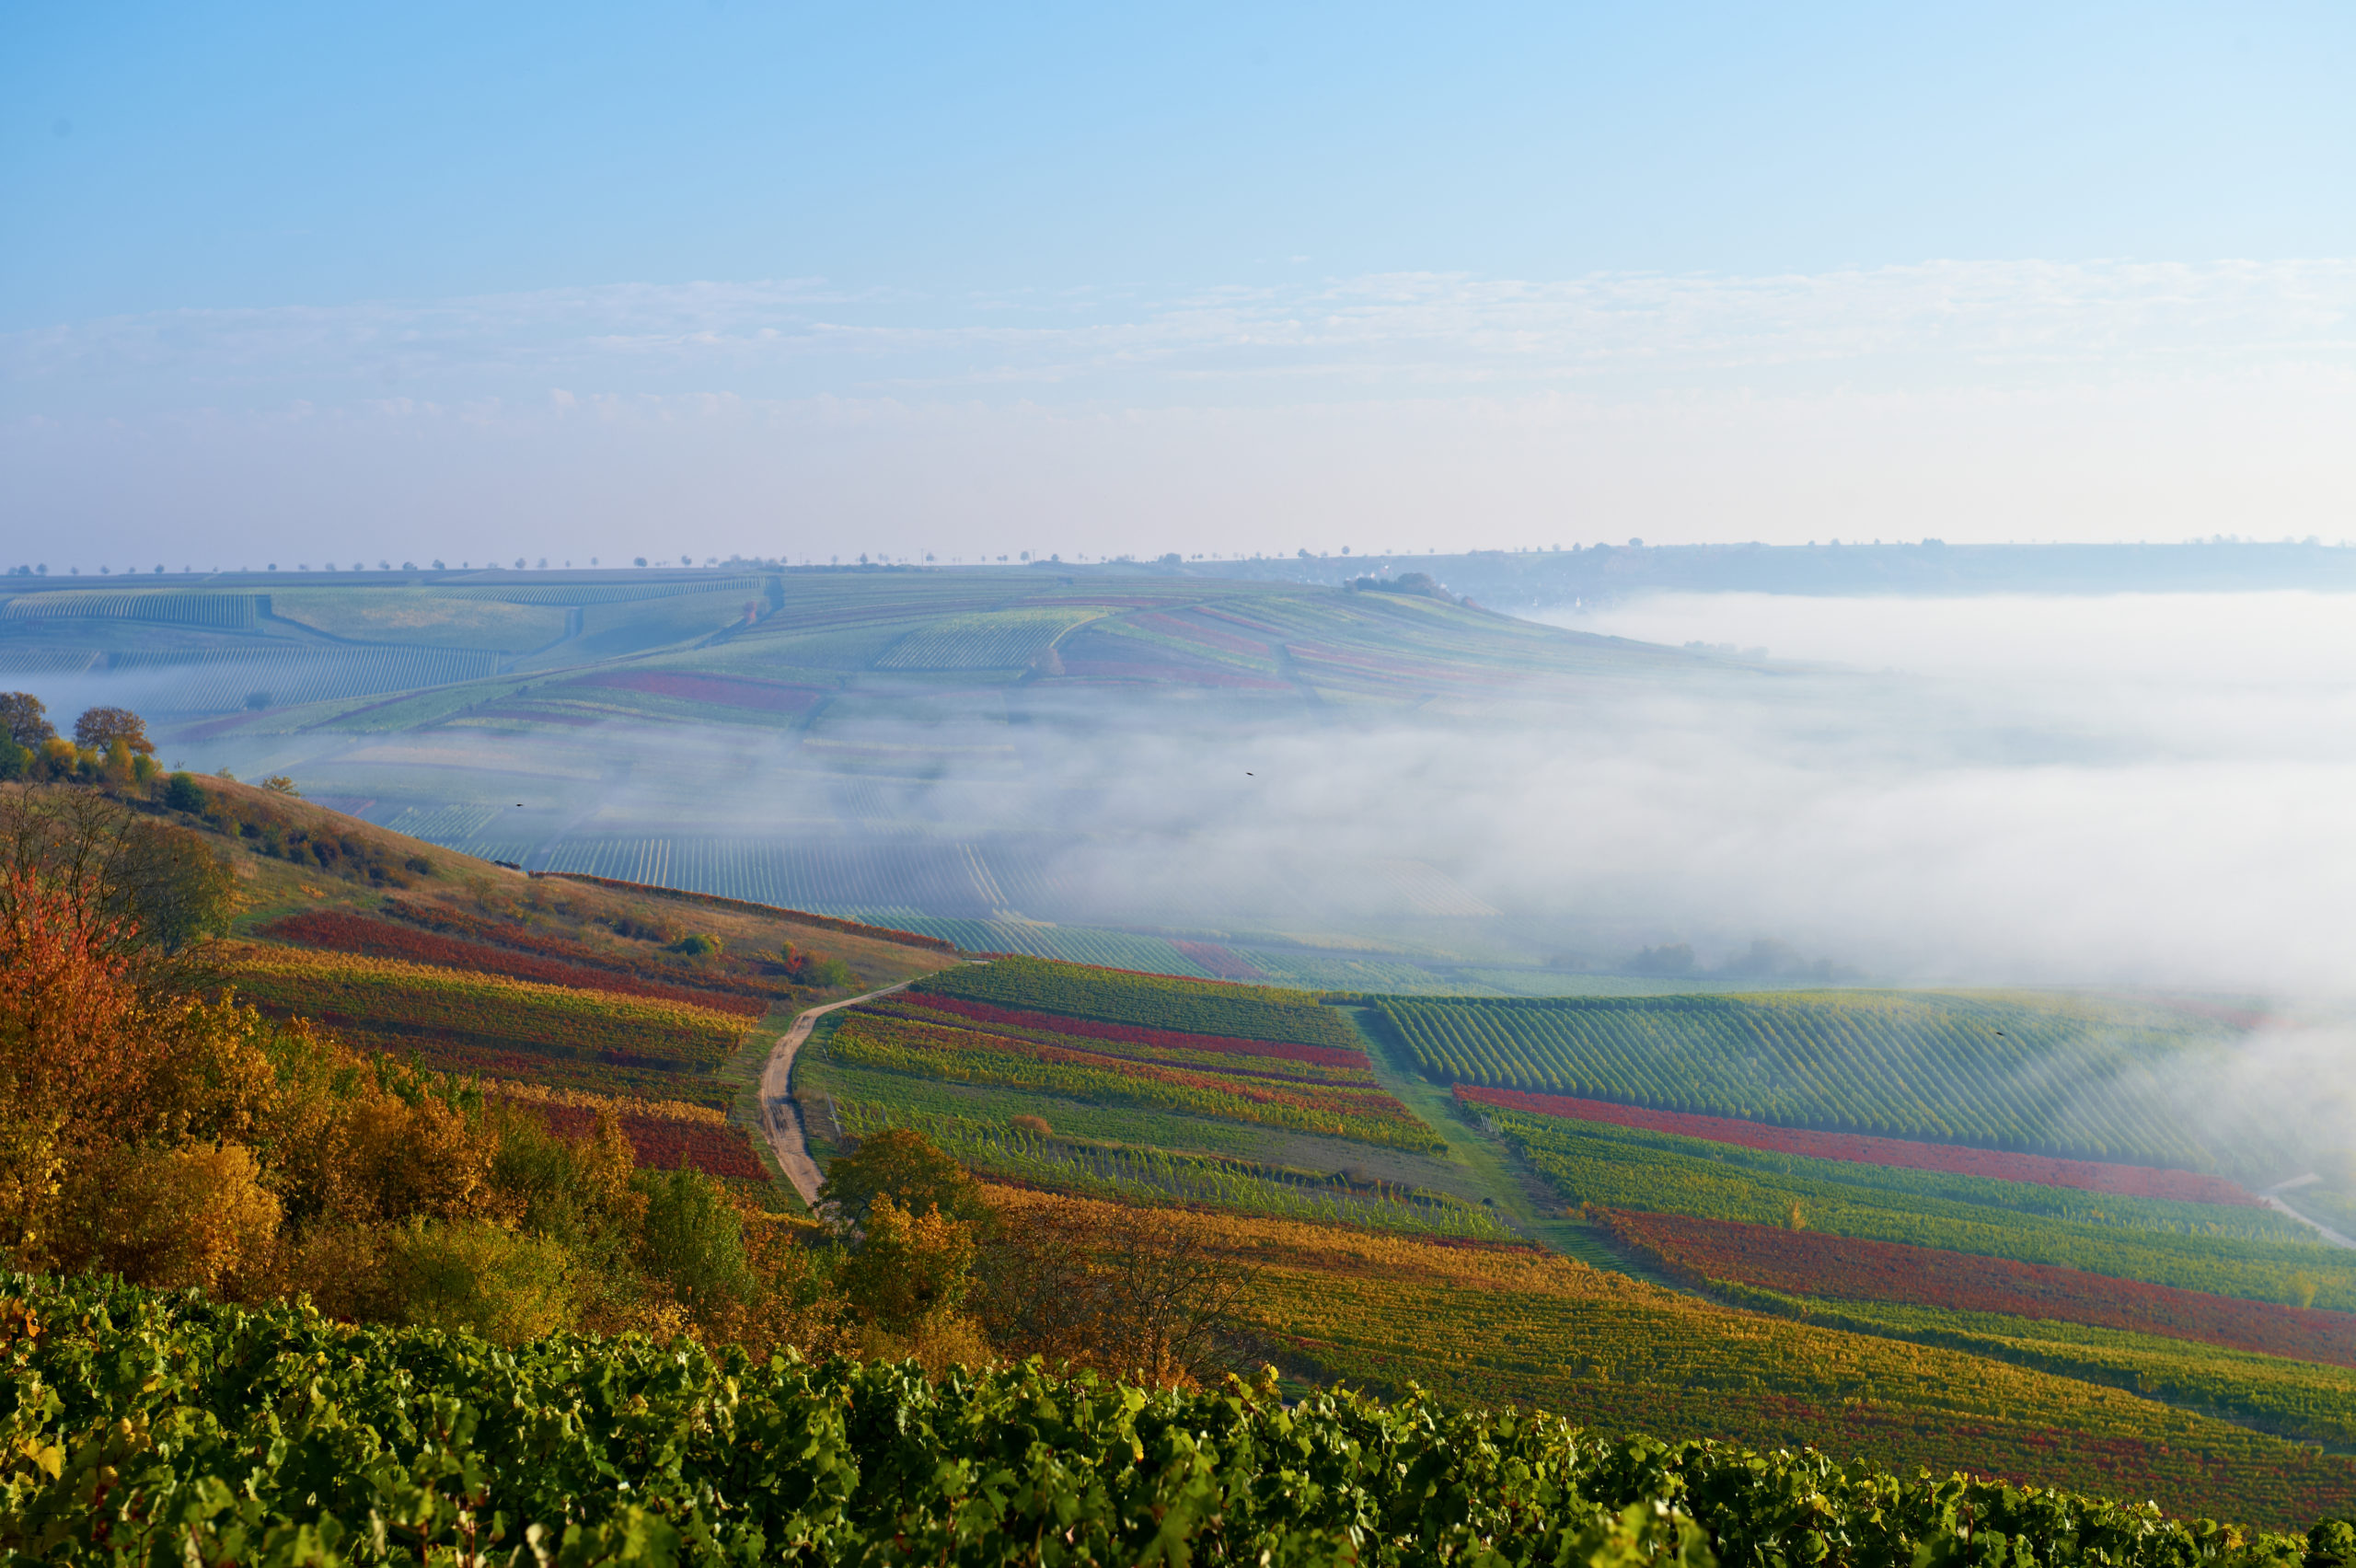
x,y
2153,792
1880,832
2150,792
2142,791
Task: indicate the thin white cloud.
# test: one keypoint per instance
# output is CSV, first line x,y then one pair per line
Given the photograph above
x,y
1912,327
1968,400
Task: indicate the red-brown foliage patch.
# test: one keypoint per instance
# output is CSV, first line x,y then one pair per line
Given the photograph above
x,y
1807,1262
2087,1175
662,1143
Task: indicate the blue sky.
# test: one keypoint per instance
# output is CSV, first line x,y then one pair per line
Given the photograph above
x,y
1097,278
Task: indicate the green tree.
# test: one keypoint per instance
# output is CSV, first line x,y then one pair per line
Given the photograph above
x,y
693,1241
183,793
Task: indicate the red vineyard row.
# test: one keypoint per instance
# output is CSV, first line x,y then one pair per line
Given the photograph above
x,y
2087,1175
661,1143
1133,1034
1806,1262
333,931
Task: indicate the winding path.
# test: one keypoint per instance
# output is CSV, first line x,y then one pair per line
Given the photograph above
x,y
2272,1198
780,1117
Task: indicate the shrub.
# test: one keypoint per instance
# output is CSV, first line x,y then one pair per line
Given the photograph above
x,y
693,1241
1035,1126
696,944
473,1276
176,1218
638,930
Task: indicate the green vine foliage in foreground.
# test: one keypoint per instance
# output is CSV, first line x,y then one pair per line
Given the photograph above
x,y
153,1429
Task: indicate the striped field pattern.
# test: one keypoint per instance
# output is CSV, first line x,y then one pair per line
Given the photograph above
x,y
2086,1079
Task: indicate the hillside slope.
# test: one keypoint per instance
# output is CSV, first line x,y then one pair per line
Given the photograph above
x,y
1404,1238
573,995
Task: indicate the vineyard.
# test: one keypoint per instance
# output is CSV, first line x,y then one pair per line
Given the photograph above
x,y
990,639
226,612
882,881
687,689
1493,1326
1145,1174
412,1000
1908,1065
730,989
2128,1181
358,934
1153,1001
1073,1069
823,1086
275,1435
221,680
1322,1064
602,593
2306,1401
629,625
1066,944
1808,1263
2253,1254
420,618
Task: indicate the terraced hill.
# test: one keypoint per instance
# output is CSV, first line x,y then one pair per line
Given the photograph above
x,y
892,745
572,995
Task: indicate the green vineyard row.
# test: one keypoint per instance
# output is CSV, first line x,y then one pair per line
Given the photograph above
x,y
2044,1075
143,1429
